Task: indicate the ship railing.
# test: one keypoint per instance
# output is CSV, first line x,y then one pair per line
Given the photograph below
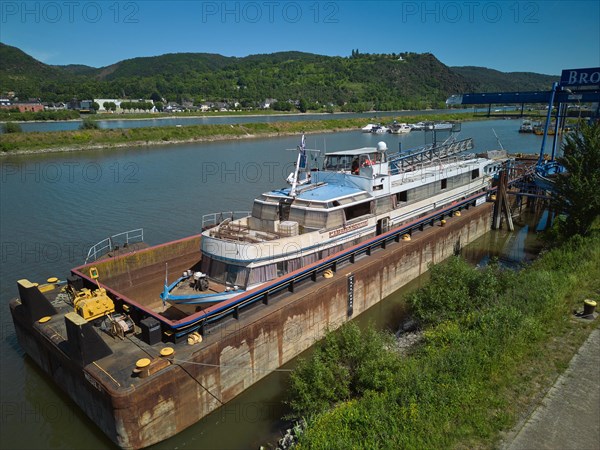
x,y
427,155
408,171
108,244
213,219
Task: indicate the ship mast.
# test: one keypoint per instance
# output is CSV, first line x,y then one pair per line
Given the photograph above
x,y
300,164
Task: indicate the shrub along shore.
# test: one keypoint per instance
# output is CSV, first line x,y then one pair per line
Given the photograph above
x,y
493,341
63,141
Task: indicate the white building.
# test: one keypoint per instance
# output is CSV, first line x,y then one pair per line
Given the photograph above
x,y
118,102
101,102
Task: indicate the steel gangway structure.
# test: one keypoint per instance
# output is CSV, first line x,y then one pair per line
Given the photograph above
x,y
402,161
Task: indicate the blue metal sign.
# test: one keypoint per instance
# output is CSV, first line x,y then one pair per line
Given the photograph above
x,y
580,77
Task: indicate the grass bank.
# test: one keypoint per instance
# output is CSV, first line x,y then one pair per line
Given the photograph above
x,y
30,116
494,340
107,138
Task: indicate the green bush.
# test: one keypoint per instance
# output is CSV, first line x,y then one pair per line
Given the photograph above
x,y
455,288
39,115
345,364
11,127
89,124
488,333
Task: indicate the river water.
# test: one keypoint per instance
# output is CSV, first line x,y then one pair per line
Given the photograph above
x,y
65,125
53,207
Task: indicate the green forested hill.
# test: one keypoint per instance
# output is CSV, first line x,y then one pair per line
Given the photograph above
x,y
396,81
489,80
77,69
172,64
21,67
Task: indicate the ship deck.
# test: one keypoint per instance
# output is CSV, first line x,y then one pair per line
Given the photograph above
x,y
138,277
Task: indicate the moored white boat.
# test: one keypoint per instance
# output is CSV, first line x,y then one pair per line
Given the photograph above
x,y
419,126
526,126
441,126
368,128
379,129
400,128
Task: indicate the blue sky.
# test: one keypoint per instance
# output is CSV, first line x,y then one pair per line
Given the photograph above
x,y
533,36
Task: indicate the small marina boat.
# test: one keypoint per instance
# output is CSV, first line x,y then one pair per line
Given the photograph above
x,y
380,129
419,126
428,126
354,195
526,126
442,126
400,128
368,128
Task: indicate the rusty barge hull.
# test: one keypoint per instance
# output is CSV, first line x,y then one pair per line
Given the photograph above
x,y
97,370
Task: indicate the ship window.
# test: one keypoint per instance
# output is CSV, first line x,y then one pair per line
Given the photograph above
x,y
281,268
422,192
224,273
402,196
354,211
205,264
308,218
218,270
309,259
297,215
262,274
237,275
340,162
294,264
383,205
257,210
284,210
474,174
335,219
444,184
265,212
315,219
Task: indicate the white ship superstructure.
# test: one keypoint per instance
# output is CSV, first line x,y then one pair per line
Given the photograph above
x,y
357,194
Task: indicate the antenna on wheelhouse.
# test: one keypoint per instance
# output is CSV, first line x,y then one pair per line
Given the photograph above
x,y
300,163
